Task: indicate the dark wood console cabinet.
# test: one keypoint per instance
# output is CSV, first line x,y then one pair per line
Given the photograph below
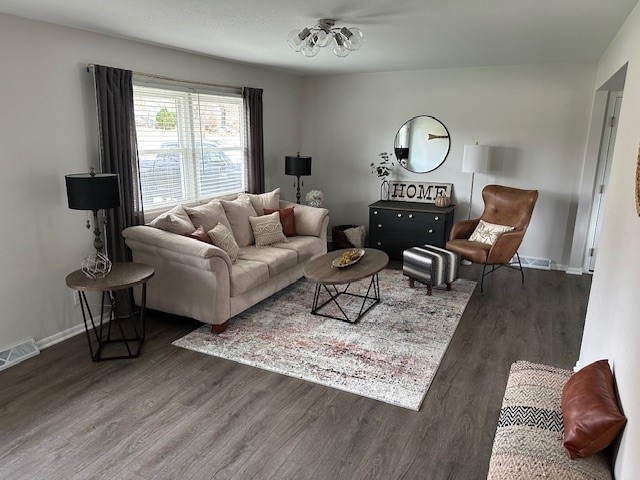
x,y
396,226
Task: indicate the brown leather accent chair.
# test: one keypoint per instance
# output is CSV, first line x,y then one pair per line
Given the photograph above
x,y
502,206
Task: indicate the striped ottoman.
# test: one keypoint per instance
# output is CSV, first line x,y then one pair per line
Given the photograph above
x,y
430,265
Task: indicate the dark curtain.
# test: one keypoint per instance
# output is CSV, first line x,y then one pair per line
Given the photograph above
x,y
255,145
119,153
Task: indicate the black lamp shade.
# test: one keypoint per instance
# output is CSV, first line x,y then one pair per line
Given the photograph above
x,y
298,166
87,192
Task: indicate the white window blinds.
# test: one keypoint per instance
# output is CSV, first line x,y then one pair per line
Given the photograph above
x,y
190,145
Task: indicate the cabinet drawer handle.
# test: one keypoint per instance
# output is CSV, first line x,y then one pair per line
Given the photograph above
x,y
379,243
437,218
410,216
375,212
431,230
379,225
399,215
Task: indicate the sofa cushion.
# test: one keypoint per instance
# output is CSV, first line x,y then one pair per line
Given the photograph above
x,y
305,247
175,220
247,274
592,419
238,212
222,238
277,259
287,220
208,215
260,201
267,229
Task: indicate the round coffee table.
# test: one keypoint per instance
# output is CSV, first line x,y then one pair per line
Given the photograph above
x,y
321,271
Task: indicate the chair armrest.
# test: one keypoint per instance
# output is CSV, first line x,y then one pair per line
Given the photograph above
x,y
463,229
505,247
308,219
175,243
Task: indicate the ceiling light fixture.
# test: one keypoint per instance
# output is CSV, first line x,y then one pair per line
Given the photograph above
x,y
309,40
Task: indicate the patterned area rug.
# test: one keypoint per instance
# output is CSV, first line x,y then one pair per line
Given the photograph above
x,y
391,355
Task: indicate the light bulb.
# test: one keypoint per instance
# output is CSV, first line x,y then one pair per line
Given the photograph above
x,y
354,36
340,48
322,38
297,39
310,48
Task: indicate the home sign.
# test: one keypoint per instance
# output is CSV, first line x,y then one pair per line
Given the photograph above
x,y
406,191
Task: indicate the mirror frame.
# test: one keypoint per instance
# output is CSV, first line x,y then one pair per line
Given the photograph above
x,y
397,150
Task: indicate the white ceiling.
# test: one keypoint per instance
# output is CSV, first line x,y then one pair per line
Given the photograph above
x,y
399,35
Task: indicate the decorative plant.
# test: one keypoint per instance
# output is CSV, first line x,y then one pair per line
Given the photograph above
x,y
383,168
314,195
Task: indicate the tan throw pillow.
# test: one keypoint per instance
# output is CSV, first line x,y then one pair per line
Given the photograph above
x,y
267,229
175,220
208,215
488,233
238,212
222,238
590,413
260,201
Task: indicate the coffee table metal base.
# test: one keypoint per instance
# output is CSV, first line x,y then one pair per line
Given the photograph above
x,y
372,296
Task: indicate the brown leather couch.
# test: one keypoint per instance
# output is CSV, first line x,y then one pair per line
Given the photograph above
x,y
502,206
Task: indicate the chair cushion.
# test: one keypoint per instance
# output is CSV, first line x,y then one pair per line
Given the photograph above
x,y
475,252
592,419
486,232
267,229
276,259
247,274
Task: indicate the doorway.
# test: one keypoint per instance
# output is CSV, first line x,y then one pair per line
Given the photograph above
x,y
614,102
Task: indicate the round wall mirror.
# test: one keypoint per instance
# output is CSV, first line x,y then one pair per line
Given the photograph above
x,y
422,144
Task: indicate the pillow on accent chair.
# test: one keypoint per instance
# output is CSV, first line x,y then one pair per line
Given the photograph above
x,y
262,201
287,220
222,238
208,215
238,212
488,233
267,229
592,419
175,220
200,234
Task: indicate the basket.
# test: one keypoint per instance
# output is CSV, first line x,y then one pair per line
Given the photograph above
x,y
340,240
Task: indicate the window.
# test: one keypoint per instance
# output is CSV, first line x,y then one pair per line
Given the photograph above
x,y
190,145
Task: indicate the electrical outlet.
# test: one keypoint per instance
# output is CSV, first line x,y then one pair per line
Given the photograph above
x,y
76,297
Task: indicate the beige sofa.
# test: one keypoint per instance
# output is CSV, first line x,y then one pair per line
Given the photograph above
x,y
198,280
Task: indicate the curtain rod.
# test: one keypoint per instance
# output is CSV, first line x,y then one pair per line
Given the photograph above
x,y
161,77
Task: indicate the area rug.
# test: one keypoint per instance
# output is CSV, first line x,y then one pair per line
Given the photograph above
x,y
391,355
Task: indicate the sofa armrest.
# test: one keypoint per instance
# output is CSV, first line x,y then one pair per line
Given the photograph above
x,y
309,220
143,234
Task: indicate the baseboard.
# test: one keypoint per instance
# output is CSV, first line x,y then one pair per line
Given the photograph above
x,y
574,271
65,334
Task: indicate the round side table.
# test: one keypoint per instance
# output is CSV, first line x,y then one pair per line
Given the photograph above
x,y
123,276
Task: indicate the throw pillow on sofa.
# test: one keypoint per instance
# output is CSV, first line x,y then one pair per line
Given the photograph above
x,y
175,220
267,229
260,201
238,212
222,238
287,220
208,215
201,235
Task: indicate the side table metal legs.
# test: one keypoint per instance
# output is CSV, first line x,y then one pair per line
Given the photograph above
x,y
133,344
372,297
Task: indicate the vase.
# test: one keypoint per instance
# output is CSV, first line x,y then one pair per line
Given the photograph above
x,y
315,203
384,190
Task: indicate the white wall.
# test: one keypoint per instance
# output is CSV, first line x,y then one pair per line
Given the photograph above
x,y
47,129
612,328
537,114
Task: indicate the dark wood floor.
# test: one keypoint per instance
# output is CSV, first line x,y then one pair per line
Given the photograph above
x,y
177,414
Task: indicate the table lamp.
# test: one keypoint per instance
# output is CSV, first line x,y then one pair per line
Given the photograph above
x,y
298,166
475,160
94,191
